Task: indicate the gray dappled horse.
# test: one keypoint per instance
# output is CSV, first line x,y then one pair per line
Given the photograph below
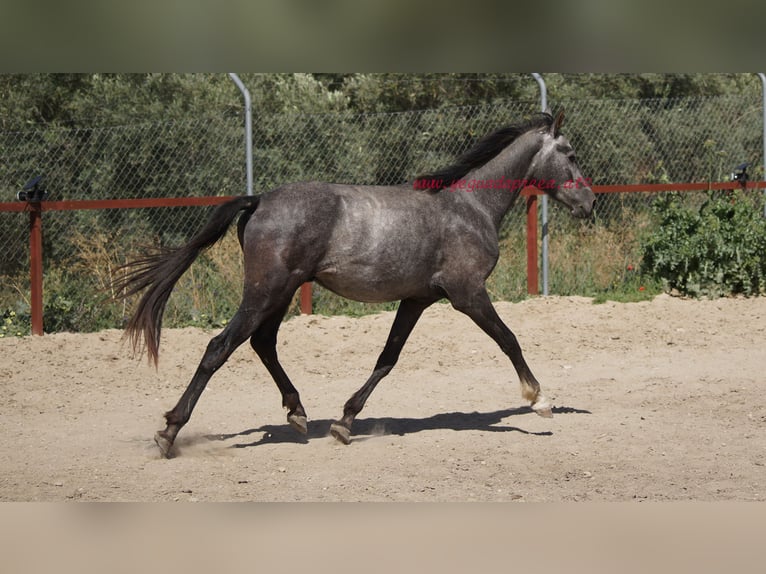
x,y
413,243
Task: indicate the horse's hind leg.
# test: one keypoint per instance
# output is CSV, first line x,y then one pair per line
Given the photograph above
x,y
264,343
406,317
218,350
478,307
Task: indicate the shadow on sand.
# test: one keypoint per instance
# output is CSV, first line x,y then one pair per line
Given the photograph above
x,y
371,428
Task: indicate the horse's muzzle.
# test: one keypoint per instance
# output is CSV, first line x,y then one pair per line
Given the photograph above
x,y
584,206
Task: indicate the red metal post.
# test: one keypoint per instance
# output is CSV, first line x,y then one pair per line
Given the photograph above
x,y
532,281
306,306
36,267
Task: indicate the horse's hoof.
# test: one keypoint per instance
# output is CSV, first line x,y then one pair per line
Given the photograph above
x,y
544,410
164,444
299,423
341,433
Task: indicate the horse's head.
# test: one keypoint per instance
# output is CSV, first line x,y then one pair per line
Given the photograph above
x,y
556,164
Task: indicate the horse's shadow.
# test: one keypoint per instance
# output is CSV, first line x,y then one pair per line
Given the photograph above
x,y
371,428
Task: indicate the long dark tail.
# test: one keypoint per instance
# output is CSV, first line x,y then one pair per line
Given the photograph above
x,y
158,273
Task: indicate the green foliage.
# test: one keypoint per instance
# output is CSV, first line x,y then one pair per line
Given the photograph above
x,y
634,287
714,250
629,141
14,325
152,135
74,302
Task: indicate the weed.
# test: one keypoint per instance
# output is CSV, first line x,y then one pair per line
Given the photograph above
x,y
714,250
14,325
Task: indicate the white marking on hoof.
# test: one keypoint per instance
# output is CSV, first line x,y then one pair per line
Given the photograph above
x,y
543,408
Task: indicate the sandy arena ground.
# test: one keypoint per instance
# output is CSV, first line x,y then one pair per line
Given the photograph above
x,y
661,400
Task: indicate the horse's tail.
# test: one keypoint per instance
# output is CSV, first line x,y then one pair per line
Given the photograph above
x,y
159,271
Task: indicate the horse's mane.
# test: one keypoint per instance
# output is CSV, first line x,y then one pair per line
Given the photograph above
x,y
483,151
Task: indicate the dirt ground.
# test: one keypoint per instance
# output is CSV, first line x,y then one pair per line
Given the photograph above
x,y
660,400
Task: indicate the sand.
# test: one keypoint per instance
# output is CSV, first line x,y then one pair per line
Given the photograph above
x,y
659,400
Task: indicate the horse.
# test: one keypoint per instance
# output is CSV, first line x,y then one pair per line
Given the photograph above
x,y
431,239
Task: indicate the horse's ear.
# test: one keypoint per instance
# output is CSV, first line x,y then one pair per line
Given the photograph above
x,y
556,125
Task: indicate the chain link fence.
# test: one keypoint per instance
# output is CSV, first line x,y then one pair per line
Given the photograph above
x,y
621,141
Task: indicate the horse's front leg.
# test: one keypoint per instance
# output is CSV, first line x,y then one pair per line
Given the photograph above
x,y
478,307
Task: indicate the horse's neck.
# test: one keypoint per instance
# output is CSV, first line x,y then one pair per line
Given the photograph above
x,y
497,184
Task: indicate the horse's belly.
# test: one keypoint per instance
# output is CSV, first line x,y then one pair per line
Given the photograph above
x,y
360,285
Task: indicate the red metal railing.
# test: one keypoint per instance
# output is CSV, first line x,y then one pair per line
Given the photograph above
x,y
36,209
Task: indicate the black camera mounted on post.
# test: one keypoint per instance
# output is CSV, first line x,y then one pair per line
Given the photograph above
x,y
740,174
33,190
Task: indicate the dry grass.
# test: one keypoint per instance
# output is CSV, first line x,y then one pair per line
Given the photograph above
x,y
95,257
592,259
584,258
209,293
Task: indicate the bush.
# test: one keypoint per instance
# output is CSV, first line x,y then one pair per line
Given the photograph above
x,y
718,249
14,325
75,302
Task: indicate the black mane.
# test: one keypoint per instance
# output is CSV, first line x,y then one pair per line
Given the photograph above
x,y
482,152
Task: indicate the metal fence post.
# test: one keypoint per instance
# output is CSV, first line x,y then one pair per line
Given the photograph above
x,y
248,132
763,110
306,290
532,283
544,107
